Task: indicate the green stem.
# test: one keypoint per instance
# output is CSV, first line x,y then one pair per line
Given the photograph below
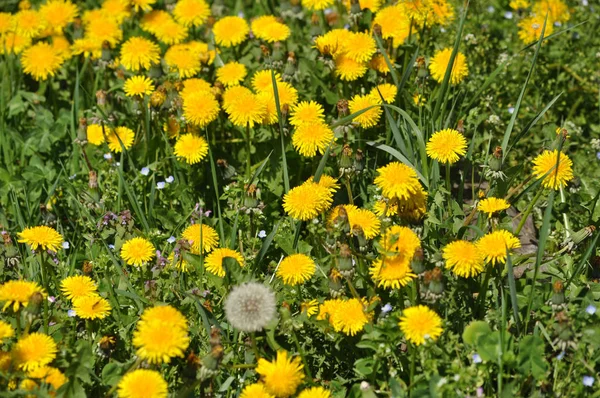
x,y
44,277
248,161
254,346
528,211
349,190
18,319
413,361
449,188
301,352
563,199
483,289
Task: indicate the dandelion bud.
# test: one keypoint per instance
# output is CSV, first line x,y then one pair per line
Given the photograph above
x,y
157,98
436,284
355,8
460,127
101,97
35,303
265,50
421,67
361,240
359,164
92,179
346,160
417,262
495,161
335,283
377,30
342,107
285,312
344,260
107,343
87,268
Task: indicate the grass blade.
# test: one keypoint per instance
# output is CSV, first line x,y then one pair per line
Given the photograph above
x,y
398,156
513,290
284,166
213,171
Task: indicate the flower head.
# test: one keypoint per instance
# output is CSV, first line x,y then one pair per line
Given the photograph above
x,y
245,109
269,29
181,58
309,138
6,331
494,245
397,180
530,28
44,238
360,46
214,261
157,338
139,53
78,286
315,5
446,146
394,23
166,314
18,293
370,117
349,317
307,201
307,113
282,376
91,307
250,306
232,73
296,269
463,258
33,351
544,166
120,135
58,14
440,62
191,148
50,376
230,31
29,23
191,12
349,69
200,107
315,392
557,10
256,390
388,92
392,272
420,323
492,205
41,60
142,383
364,219
137,251
204,238
138,85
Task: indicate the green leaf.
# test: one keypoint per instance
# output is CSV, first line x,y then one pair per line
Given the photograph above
x,y
531,357
474,330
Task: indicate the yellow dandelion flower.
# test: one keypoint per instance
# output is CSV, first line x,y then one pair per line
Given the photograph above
x,y
230,31
49,375
256,390
41,60
384,208
6,23
519,4
392,272
419,323
446,146
193,85
530,28
494,245
394,23
332,42
326,181
116,9
372,5
247,109
200,49
6,331
261,80
360,47
165,314
328,309
13,42
315,392
348,69
366,220
396,180
61,45
91,307
317,5
492,205
183,60
139,53
269,29
557,10
441,60
142,383
95,135
544,166
58,14
138,85
171,32
200,108
442,12
232,73
370,117
215,260
191,148
296,269
307,201
207,237
42,237
378,63
310,307
87,47
349,317
29,23
388,92
400,241
118,136
288,95
103,29
282,376
144,5
33,351
137,251
18,293
307,112
310,138
78,286
463,258
152,21
158,341
191,12
419,99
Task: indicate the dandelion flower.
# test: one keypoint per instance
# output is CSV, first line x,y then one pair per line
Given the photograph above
x,y
256,390
77,286
208,241
138,85
366,220
350,317
306,113
6,331
282,376
419,323
269,29
158,340
440,62
41,60
388,92
494,245
171,32
315,392
262,81
87,47
191,12
58,14
6,24
33,351
118,136
316,5
144,5
296,269
332,42
396,180
139,53
307,201
394,23
91,307
230,31
245,110
49,375
13,42
200,108
463,258
231,74
310,307
360,47
392,272
442,13
116,9
530,28
326,181
214,261
400,241
18,293
544,166
446,146
137,251
42,237
310,138
519,4
370,117
557,10
349,69
191,148
250,307
492,205
29,23
142,383
182,59
102,29
378,63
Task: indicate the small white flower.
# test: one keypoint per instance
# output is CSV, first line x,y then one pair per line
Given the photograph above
x,y
477,358
364,385
511,110
111,247
169,179
107,156
386,308
71,313
171,239
65,245
508,15
51,299
262,234
145,171
588,381
590,309
160,185
491,9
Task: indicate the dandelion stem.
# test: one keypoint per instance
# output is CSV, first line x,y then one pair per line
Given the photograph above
x,y
413,360
44,277
301,352
483,289
449,188
248,161
349,190
527,212
254,346
18,319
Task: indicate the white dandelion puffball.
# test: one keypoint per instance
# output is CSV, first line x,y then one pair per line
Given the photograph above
x,y
250,306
